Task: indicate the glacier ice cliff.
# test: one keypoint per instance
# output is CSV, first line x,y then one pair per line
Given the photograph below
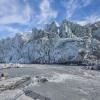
x,y
53,44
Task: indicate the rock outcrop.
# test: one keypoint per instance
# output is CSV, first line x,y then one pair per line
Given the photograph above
x,y
14,95
13,83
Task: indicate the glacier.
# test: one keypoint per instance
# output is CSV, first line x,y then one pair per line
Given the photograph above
x,y
53,44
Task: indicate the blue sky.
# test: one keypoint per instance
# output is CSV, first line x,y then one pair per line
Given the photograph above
x,y
22,15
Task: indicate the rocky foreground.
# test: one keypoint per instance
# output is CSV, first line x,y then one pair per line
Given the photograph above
x,y
50,82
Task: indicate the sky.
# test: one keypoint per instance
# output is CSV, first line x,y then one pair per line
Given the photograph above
x,y
22,15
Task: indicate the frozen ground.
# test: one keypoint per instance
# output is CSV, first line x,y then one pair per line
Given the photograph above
x,y
64,83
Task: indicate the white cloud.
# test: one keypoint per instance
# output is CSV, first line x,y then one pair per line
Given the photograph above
x,y
11,12
46,12
9,29
7,7
72,5
89,19
86,2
